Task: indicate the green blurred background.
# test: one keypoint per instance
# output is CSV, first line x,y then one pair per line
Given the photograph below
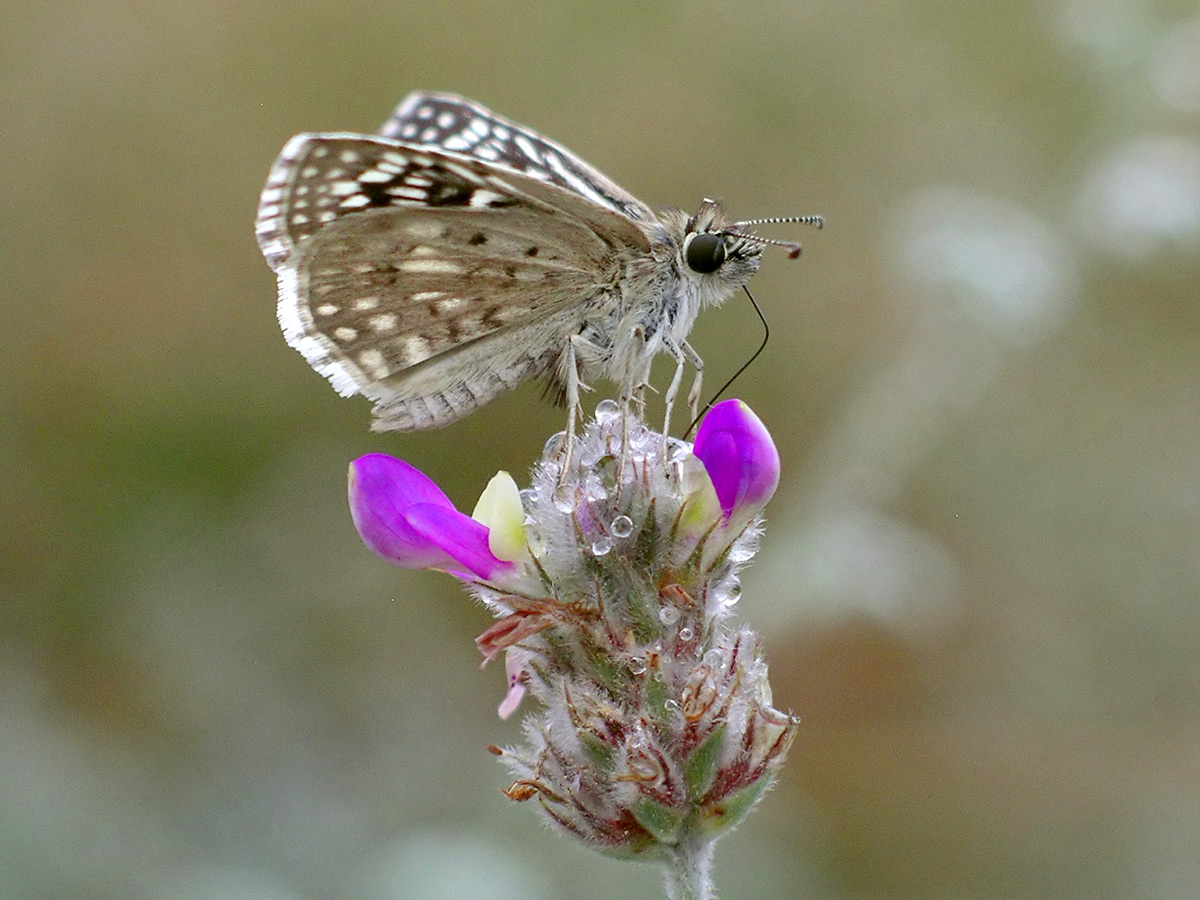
x,y
978,586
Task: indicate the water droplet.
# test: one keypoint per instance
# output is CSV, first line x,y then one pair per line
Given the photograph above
x,y
672,706
741,552
621,527
714,659
554,444
732,594
676,471
564,498
668,615
677,449
637,665
594,488
607,411
686,633
601,546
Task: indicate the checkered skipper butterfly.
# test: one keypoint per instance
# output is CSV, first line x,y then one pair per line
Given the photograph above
x,y
457,254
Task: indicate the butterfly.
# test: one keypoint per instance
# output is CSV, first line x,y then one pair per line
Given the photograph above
x,y
456,254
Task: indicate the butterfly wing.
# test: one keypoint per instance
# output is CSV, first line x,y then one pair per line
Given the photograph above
x,y
430,281
454,123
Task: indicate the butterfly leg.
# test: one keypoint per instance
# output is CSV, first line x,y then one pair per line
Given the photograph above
x,y
694,394
577,346
673,389
572,401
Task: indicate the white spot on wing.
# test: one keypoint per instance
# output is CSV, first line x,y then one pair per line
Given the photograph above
x,y
430,266
373,361
416,348
423,231
405,192
528,149
376,176
383,322
485,198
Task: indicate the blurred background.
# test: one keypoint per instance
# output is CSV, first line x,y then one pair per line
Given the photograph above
x,y
979,580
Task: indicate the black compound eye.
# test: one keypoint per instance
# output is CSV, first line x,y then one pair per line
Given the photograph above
x,y
705,253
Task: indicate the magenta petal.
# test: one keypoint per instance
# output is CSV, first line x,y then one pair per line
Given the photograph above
x,y
384,479
406,519
739,456
457,535
514,668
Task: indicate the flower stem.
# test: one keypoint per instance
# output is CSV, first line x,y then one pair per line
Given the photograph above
x,y
688,875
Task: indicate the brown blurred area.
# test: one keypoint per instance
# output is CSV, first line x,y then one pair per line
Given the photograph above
x,y
978,585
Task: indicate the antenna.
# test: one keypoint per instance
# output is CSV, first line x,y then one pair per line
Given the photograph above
x,y
792,247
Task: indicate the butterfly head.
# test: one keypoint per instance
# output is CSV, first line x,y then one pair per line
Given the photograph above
x,y
721,255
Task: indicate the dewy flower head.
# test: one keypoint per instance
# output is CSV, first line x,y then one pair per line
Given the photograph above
x,y
656,732
406,519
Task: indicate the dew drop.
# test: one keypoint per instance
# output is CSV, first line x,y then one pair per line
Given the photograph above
x,y
677,449
607,411
668,615
637,665
714,659
672,706
686,633
601,546
732,594
621,527
554,444
564,498
741,552
594,488
590,453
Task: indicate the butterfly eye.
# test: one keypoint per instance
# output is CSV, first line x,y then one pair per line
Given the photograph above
x,y
705,252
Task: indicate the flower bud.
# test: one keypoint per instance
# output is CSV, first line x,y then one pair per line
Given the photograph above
x,y
741,460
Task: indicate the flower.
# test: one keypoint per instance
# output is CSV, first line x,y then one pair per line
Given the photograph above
x,y
740,457
406,519
613,577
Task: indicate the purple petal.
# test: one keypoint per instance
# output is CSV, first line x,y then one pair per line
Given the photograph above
x,y
406,519
457,535
515,661
739,455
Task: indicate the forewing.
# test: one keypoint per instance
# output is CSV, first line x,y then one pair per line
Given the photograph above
x,y
453,123
395,262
